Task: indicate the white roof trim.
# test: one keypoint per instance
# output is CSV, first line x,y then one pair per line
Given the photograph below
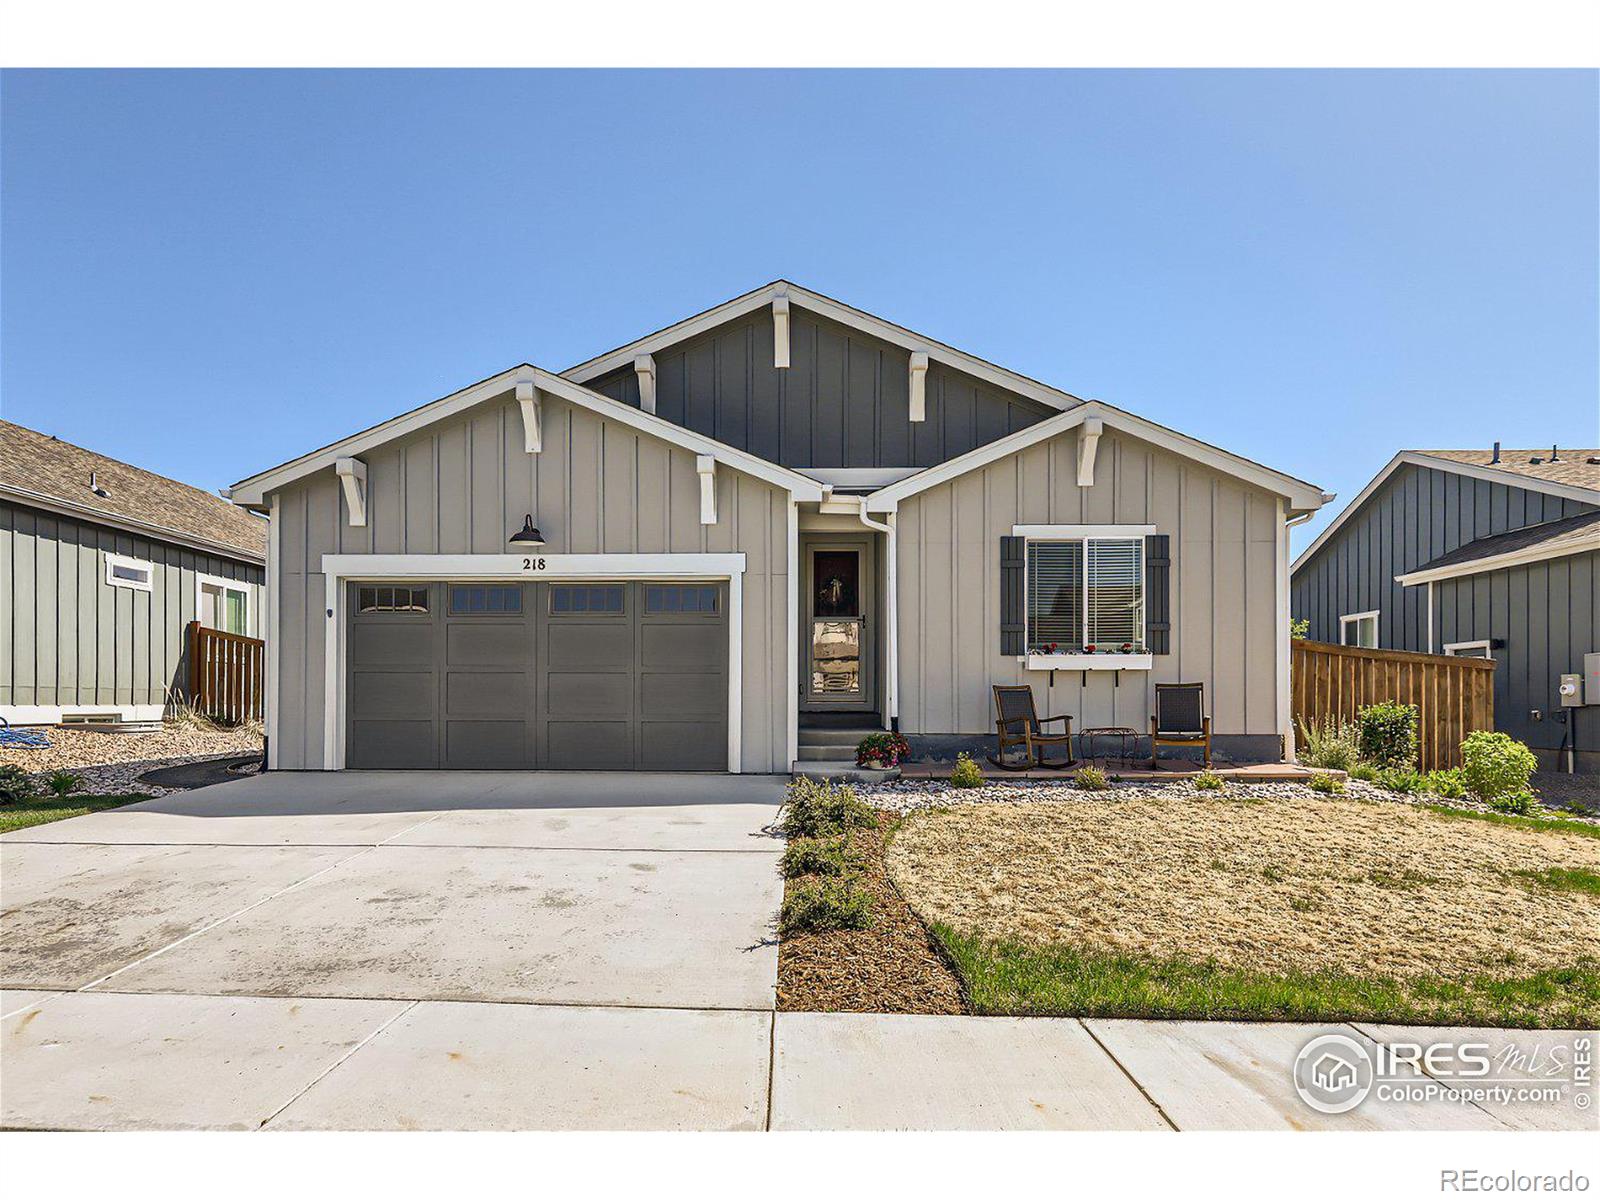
x,y
1302,496
1496,562
1415,458
834,310
253,491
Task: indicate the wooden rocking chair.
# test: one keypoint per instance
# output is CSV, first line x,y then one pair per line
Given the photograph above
x,y
1017,723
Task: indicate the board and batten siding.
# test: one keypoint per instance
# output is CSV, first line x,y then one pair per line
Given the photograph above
x,y
1418,514
1547,616
69,639
598,487
1223,591
844,400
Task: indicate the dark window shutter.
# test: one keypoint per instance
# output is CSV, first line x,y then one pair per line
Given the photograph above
x,y
1013,627
1158,592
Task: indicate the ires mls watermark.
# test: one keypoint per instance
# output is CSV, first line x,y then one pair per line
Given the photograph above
x,y
1336,1072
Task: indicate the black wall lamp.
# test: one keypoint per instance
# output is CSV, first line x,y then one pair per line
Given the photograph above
x,y
527,535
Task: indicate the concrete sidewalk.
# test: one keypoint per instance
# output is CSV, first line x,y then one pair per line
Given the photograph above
x,y
108,1060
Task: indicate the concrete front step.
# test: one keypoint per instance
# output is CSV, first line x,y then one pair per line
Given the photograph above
x,y
826,753
834,737
844,770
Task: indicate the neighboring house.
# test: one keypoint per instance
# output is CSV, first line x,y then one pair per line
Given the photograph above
x,y
102,567
1493,553
752,531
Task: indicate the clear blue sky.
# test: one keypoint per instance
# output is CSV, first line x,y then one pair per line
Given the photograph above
x,y
208,273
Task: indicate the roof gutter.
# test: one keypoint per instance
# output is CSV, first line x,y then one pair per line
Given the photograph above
x,y
160,533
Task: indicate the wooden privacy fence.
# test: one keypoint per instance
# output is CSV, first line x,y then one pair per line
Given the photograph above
x,y
225,674
1454,696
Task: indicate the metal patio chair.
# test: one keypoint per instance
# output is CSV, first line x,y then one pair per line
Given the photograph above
x,y
1018,723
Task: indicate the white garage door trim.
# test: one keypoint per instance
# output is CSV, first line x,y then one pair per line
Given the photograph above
x,y
341,569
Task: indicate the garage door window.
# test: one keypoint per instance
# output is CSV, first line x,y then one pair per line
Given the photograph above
x,y
567,600
695,599
485,601
378,599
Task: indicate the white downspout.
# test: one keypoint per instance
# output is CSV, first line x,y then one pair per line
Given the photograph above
x,y
1285,682
891,633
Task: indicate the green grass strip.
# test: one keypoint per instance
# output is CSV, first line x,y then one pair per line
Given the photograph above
x,y
1012,979
1544,824
26,813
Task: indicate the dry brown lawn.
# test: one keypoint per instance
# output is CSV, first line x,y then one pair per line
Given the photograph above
x,y
1320,884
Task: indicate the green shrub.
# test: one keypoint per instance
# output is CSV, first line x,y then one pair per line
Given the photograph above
x,y
814,905
1365,772
1327,784
1333,745
1299,627
1399,779
890,749
1388,734
1494,764
1447,783
815,856
1519,803
15,785
817,808
63,783
1091,779
1207,781
967,773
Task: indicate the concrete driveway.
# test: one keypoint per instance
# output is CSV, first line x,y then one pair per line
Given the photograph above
x,y
409,951
279,922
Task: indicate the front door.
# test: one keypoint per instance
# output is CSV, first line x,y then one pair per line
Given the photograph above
x,y
838,646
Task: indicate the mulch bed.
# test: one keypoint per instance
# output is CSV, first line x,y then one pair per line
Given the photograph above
x,y
893,966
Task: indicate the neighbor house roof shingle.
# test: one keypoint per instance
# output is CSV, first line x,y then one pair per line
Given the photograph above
x,y
1552,539
33,464
1571,466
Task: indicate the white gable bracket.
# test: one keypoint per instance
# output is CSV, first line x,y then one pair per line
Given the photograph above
x,y
919,385
780,331
644,367
706,467
1088,443
352,474
532,428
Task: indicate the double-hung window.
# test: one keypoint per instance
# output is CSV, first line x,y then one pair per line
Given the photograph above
x,y
1086,594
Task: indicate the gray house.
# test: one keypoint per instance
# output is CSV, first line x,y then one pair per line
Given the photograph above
x,y
102,567
1493,553
770,526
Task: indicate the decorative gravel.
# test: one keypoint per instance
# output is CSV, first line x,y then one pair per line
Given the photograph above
x,y
902,796
110,763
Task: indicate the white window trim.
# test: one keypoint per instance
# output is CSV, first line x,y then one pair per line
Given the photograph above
x,y
1377,628
341,569
1080,662
138,564
1454,649
251,622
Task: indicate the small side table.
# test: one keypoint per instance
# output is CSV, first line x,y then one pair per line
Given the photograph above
x,y
1127,743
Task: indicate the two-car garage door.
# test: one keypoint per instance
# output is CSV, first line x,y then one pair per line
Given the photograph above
x,y
562,676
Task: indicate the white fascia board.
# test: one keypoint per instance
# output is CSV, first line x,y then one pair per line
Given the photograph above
x,y
859,477
1302,496
1497,562
834,310
543,566
253,491
1470,470
156,533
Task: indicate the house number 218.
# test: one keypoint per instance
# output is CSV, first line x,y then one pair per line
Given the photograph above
x,y
533,564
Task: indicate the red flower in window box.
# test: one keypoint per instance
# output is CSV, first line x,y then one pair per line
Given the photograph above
x,y
1089,649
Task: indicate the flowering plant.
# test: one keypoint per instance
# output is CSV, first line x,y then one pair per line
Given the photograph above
x,y
881,750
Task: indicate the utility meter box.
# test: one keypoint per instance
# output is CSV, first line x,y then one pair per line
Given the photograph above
x,y
1571,691
1591,678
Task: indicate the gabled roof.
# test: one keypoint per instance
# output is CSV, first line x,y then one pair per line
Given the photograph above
x,y
253,491
1301,496
45,472
834,310
1532,543
1476,464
